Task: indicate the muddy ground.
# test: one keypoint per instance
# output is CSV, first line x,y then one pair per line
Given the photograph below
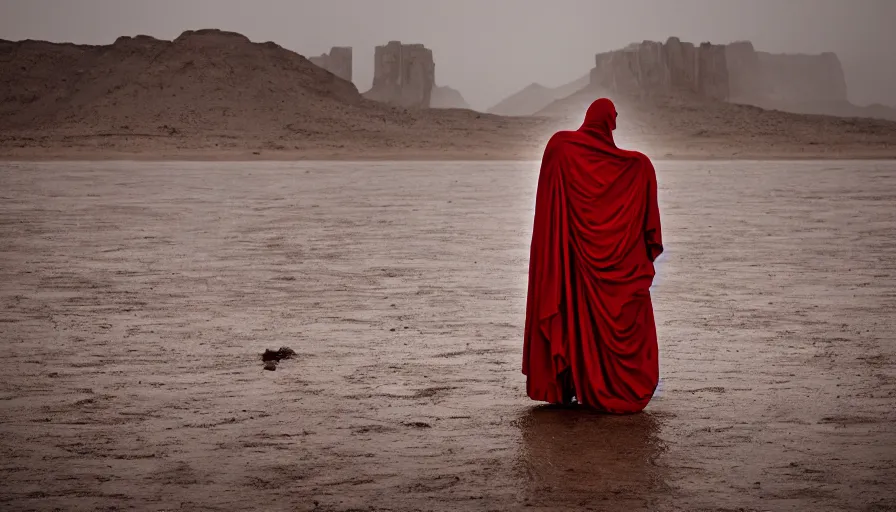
x,y
137,298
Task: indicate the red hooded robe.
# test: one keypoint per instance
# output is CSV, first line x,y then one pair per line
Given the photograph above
x,y
590,331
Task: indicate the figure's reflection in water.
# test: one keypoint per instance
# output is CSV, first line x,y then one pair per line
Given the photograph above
x,y
573,457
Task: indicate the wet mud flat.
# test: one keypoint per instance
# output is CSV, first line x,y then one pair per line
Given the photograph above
x,y
136,299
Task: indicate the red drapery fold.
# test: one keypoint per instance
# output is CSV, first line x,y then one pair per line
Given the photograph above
x,y
590,330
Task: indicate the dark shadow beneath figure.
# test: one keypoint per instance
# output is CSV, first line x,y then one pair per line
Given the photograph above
x,y
575,457
569,390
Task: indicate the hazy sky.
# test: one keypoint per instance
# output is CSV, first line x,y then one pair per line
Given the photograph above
x,y
489,49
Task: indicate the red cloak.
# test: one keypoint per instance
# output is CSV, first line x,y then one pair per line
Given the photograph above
x,y
590,331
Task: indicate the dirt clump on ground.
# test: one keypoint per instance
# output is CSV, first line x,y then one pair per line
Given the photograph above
x,y
272,357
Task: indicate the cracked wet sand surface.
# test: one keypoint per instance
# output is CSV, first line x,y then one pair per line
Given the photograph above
x,y
137,297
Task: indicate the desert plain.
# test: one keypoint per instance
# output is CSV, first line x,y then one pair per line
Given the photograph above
x,y
137,298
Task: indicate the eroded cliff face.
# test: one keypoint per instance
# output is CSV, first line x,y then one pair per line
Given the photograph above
x,y
338,62
404,75
657,68
713,80
803,78
734,72
745,76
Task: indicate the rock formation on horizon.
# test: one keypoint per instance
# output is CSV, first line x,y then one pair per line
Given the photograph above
x,y
797,78
338,61
404,75
210,90
655,68
734,72
202,80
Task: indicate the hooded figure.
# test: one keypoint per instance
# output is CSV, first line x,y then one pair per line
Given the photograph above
x,y
590,331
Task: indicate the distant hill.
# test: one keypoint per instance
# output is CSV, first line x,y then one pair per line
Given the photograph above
x,y
446,97
832,108
204,79
671,123
535,97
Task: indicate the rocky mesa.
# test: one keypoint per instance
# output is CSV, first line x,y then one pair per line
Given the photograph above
x,y
405,76
201,79
734,72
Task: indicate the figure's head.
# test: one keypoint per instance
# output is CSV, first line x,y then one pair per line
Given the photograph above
x,y
601,116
